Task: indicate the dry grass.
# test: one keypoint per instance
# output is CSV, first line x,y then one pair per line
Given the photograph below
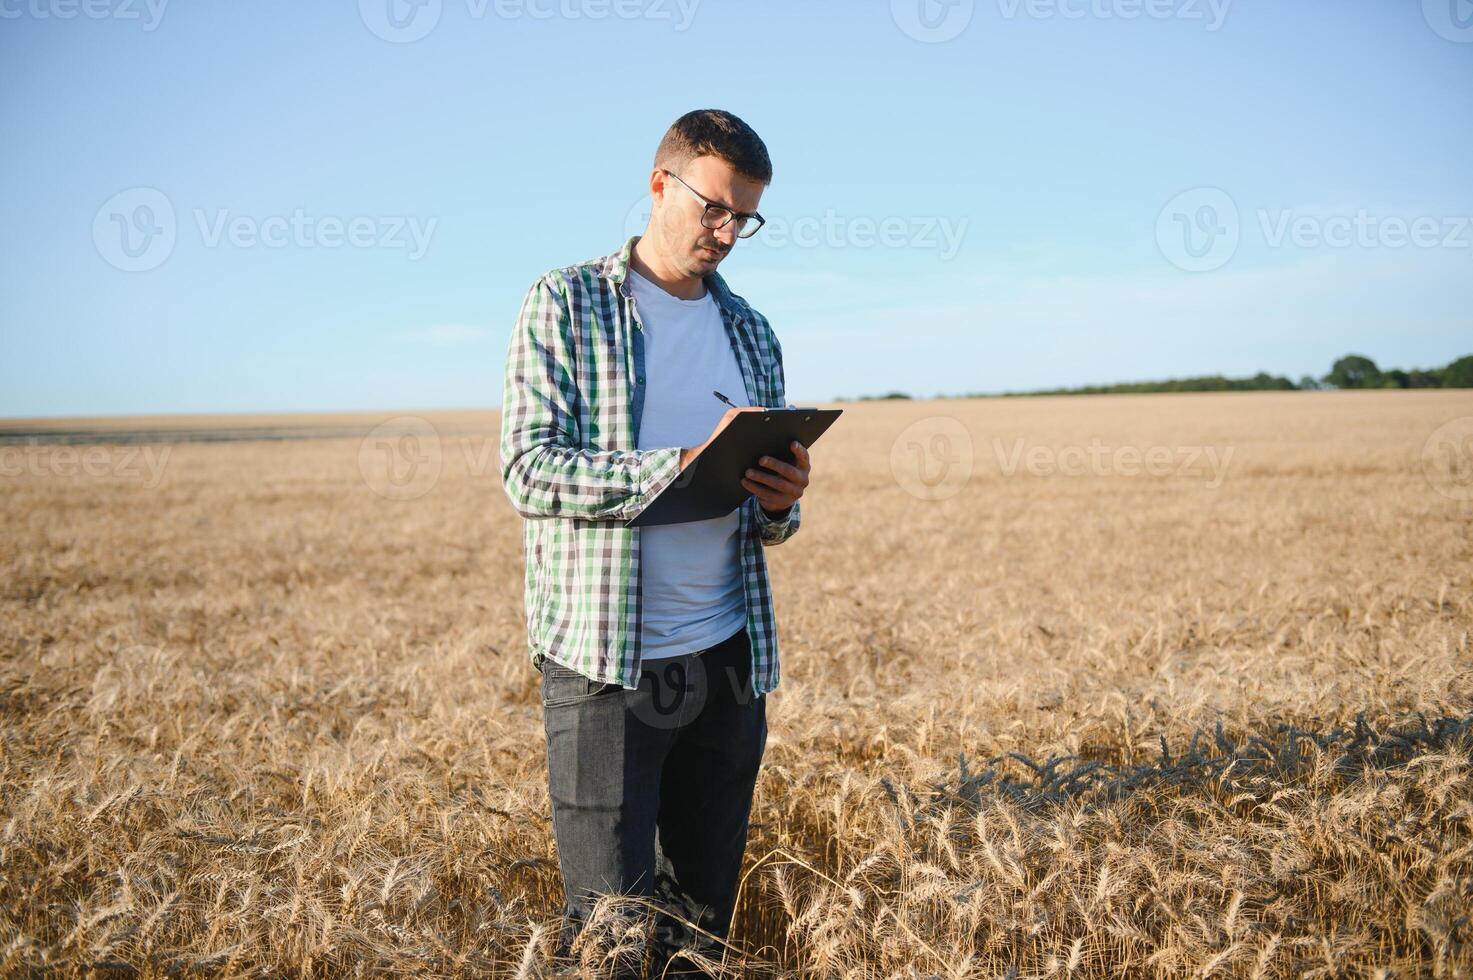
x,y
258,718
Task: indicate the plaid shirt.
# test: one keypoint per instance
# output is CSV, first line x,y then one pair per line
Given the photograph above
x,y
573,396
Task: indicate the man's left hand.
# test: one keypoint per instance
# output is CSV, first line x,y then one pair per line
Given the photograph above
x,y
778,485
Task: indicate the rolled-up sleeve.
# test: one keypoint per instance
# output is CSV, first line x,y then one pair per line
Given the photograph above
x,y
776,530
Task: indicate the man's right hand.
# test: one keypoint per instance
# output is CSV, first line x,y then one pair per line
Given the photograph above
x,y
688,455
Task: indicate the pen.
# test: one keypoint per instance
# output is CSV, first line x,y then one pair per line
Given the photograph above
x,y
729,401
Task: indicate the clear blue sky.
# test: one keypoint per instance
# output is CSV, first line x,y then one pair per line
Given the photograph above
x,y
998,210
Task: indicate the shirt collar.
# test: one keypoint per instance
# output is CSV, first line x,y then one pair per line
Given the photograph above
x,y
615,267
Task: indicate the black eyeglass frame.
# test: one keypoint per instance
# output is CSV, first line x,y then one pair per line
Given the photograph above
x,y
710,206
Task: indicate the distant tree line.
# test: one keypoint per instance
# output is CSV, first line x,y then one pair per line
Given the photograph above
x,y
1350,371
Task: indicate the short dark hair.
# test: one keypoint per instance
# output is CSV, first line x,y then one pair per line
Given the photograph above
x,y
715,132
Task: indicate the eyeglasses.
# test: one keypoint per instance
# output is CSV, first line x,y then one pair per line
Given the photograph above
x,y
715,216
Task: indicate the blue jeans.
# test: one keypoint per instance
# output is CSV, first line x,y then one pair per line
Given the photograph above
x,y
651,791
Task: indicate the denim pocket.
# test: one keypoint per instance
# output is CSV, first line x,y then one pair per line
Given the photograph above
x,y
564,686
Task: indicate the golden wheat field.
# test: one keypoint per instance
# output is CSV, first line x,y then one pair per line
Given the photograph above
x,y
1048,708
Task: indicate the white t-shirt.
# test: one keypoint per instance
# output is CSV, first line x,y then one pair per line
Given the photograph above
x,y
690,574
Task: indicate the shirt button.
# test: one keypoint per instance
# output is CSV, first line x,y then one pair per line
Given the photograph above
x,y
639,380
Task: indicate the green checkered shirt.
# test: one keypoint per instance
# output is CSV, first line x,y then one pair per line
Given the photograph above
x,y
573,396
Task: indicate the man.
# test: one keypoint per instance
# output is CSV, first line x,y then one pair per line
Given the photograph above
x,y
656,644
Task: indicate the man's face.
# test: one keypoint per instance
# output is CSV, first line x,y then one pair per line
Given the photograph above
x,y
689,247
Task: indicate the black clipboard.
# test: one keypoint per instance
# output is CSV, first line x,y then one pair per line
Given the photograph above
x,y
711,486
